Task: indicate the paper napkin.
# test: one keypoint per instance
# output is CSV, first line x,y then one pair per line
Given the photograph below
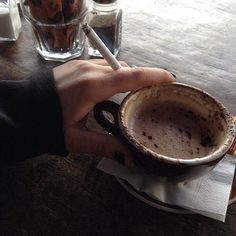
x,y
207,195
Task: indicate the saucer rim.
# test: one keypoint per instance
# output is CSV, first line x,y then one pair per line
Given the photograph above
x,y
143,197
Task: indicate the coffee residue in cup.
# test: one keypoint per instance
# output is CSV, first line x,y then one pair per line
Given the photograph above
x,y
173,130
206,140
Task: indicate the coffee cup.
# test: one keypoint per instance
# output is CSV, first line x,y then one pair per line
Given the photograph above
x,y
175,131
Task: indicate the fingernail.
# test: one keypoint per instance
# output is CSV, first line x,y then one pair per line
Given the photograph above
x,y
173,75
120,157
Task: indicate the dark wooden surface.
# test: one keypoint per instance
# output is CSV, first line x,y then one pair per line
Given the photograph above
x,y
49,195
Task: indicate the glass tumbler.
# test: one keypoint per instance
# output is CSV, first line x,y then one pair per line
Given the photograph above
x,y
56,27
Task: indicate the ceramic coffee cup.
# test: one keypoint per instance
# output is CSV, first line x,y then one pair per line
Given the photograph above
x,y
174,130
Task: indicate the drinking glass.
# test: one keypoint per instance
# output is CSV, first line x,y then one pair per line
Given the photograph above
x,y
56,27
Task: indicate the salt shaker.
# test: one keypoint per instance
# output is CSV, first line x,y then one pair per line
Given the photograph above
x,y
105,17
10,23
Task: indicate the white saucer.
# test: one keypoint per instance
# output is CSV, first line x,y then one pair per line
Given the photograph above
x,y
154,202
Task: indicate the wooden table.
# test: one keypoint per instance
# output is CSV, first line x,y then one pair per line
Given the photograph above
x,y
50,195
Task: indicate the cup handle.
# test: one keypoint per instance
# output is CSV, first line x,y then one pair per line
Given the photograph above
x,y
232,149
110,108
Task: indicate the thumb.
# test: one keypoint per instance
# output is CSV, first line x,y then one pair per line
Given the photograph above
x,y
83,141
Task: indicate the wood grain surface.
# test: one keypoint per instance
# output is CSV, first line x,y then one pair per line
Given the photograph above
x,y
50,195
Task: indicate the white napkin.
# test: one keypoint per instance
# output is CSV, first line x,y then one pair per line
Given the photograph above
x,y
208,195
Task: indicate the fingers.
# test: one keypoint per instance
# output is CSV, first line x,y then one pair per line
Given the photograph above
x,y
83,141
128,79
75,68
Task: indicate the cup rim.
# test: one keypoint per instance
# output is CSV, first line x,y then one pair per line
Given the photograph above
x,y
220,152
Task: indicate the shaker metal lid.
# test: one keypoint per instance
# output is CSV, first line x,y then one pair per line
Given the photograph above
x,y
105,1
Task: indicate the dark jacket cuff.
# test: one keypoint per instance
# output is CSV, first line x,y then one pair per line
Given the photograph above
x,y
46,115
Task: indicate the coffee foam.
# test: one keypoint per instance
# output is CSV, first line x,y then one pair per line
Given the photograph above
x,y
175,123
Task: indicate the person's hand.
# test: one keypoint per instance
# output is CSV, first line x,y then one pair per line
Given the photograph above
x,y
81,84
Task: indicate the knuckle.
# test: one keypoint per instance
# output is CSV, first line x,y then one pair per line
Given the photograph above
x,y
139,72
84,66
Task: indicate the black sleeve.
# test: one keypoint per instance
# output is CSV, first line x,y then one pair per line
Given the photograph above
x,y
31,121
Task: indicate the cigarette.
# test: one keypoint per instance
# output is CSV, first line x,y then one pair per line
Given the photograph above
x,y
101,47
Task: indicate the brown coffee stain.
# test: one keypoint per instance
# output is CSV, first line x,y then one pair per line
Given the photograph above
x,y
173,130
